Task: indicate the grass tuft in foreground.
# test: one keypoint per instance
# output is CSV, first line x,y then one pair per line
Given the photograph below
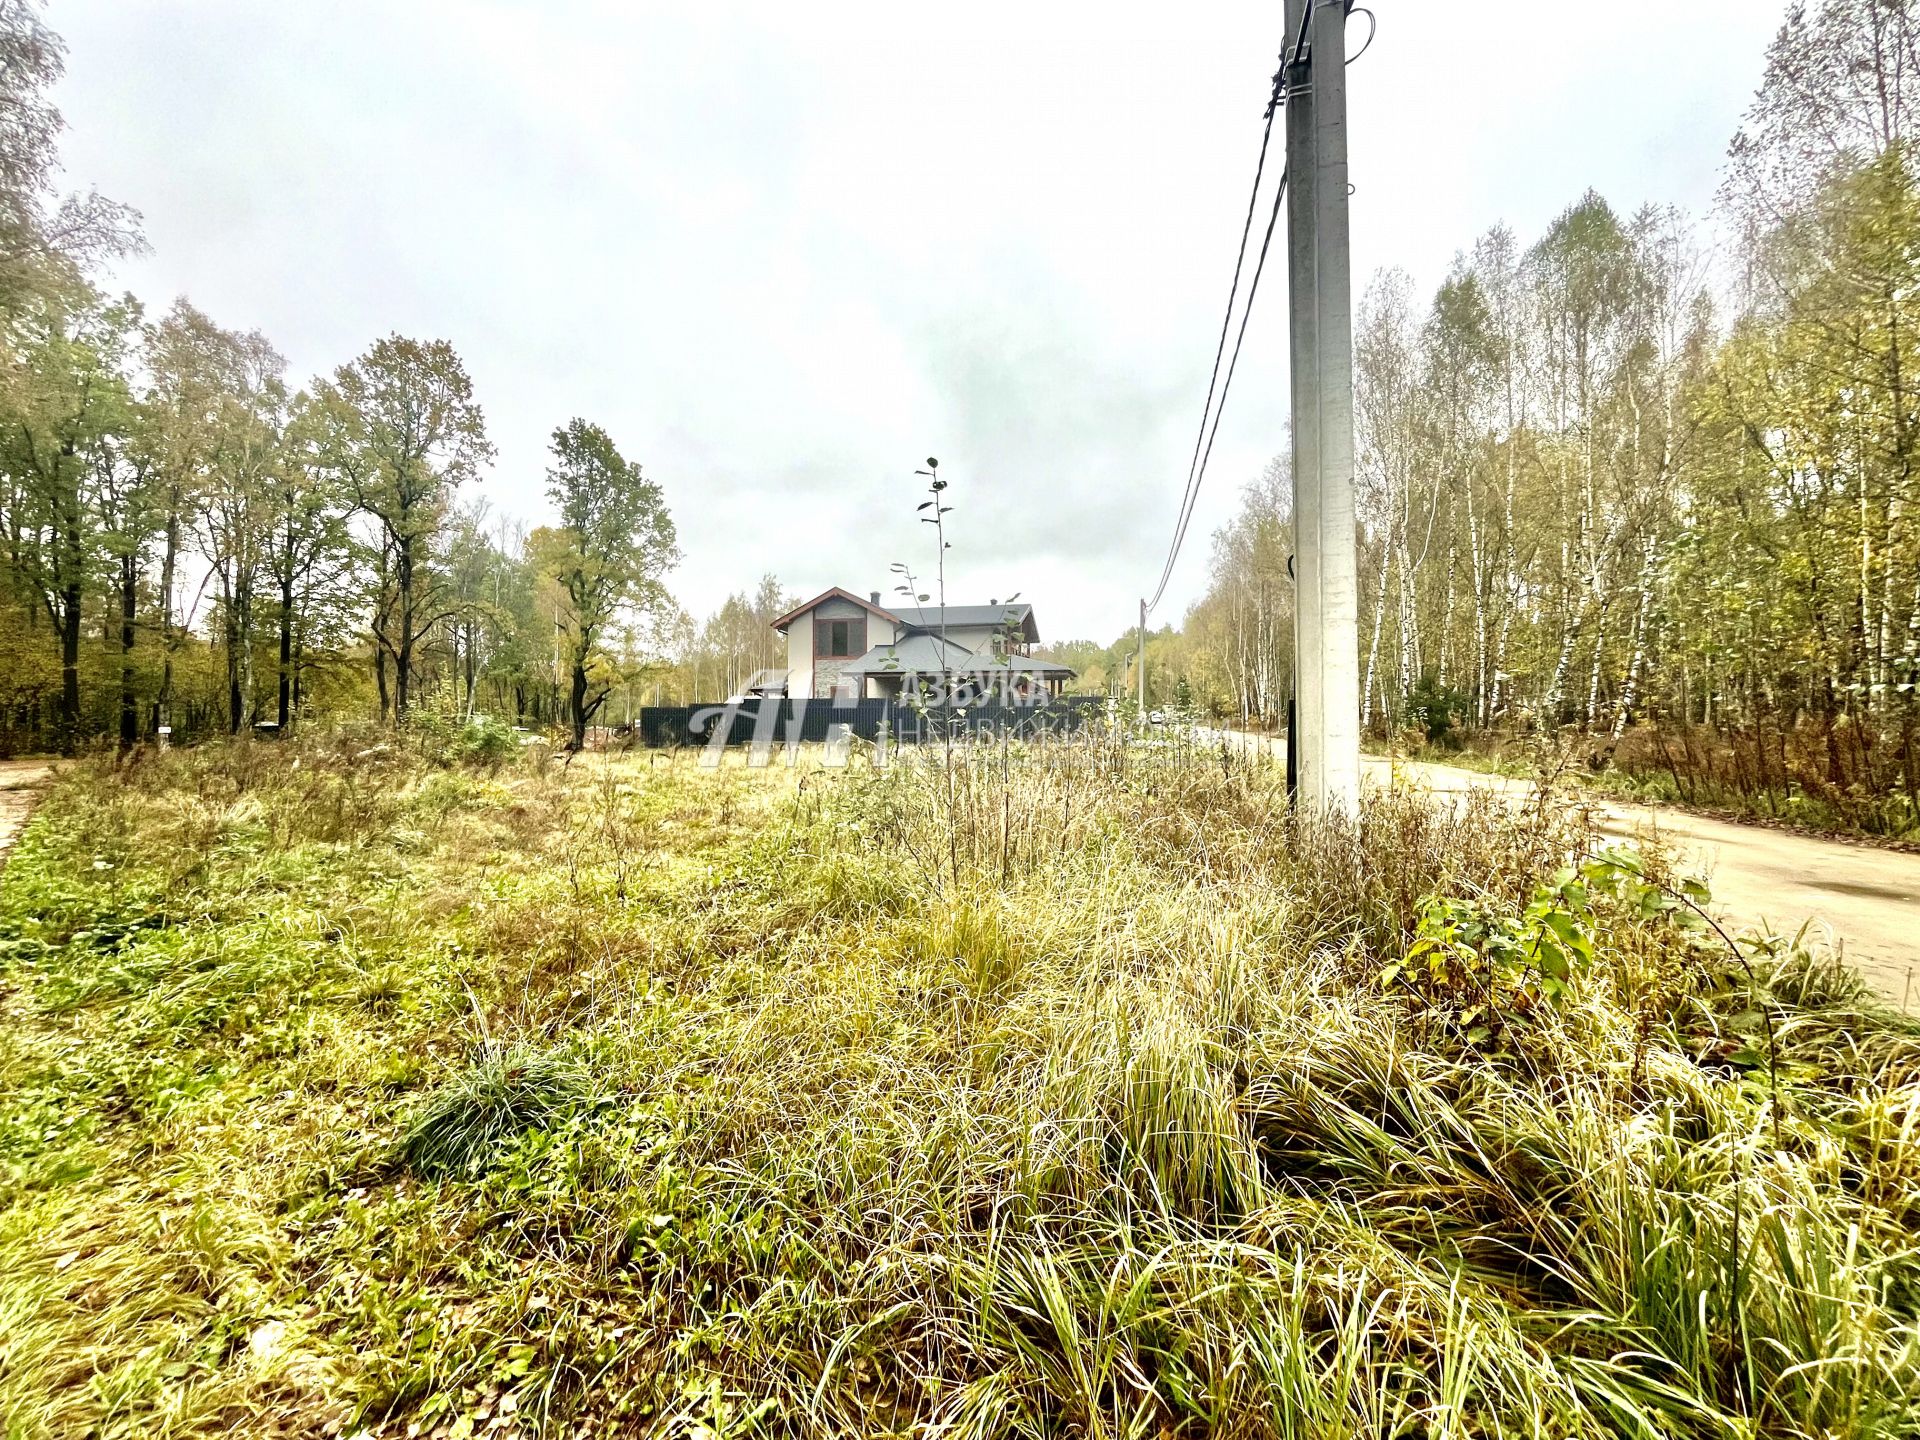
x,y
1064,1092
466,1122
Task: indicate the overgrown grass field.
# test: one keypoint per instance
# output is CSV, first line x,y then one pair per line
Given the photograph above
x,y
1057,1093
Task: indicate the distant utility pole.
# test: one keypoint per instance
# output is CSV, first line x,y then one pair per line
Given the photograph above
x,y
1324,739
1141,666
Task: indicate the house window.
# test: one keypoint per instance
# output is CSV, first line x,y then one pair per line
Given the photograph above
x,y
839,639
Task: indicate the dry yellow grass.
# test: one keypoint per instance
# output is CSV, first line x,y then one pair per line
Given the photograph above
x,y
1057,1093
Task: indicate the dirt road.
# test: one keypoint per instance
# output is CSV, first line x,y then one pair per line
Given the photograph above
x,y
19,782
1861,901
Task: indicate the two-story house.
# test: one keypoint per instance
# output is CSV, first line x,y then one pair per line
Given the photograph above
x,y
839,644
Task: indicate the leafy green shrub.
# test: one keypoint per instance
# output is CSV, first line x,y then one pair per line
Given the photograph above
x,y
1485,970
486,743
481,742
462,1127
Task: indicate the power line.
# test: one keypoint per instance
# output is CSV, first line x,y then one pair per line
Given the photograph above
x,y
1253,289
1191,490
1373,29
1300,46
1279,198
1197,466
1203,441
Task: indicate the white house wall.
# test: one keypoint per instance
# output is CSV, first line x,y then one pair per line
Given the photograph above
x,y
800,657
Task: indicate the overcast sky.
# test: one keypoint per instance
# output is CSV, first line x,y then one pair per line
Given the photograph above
x,y
784,252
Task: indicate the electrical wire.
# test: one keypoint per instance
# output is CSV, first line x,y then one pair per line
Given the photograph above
x,y
1233,361
1373,29
1195,468
1300,48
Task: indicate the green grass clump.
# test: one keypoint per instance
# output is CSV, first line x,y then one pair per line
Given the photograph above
x,y
1066,1091
465,1122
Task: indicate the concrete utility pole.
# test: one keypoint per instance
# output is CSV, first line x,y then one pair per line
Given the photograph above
x,y
1325,735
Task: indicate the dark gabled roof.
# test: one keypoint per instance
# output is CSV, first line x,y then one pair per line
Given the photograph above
x,y
1014,615
836,593
921,653
1028,665
916,654
1001,617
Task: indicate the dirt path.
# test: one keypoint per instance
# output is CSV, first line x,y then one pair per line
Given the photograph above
x,y
20,784
1862,901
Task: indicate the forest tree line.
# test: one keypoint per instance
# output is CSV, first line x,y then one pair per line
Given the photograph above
x,y
194,545
192,542
1643,484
